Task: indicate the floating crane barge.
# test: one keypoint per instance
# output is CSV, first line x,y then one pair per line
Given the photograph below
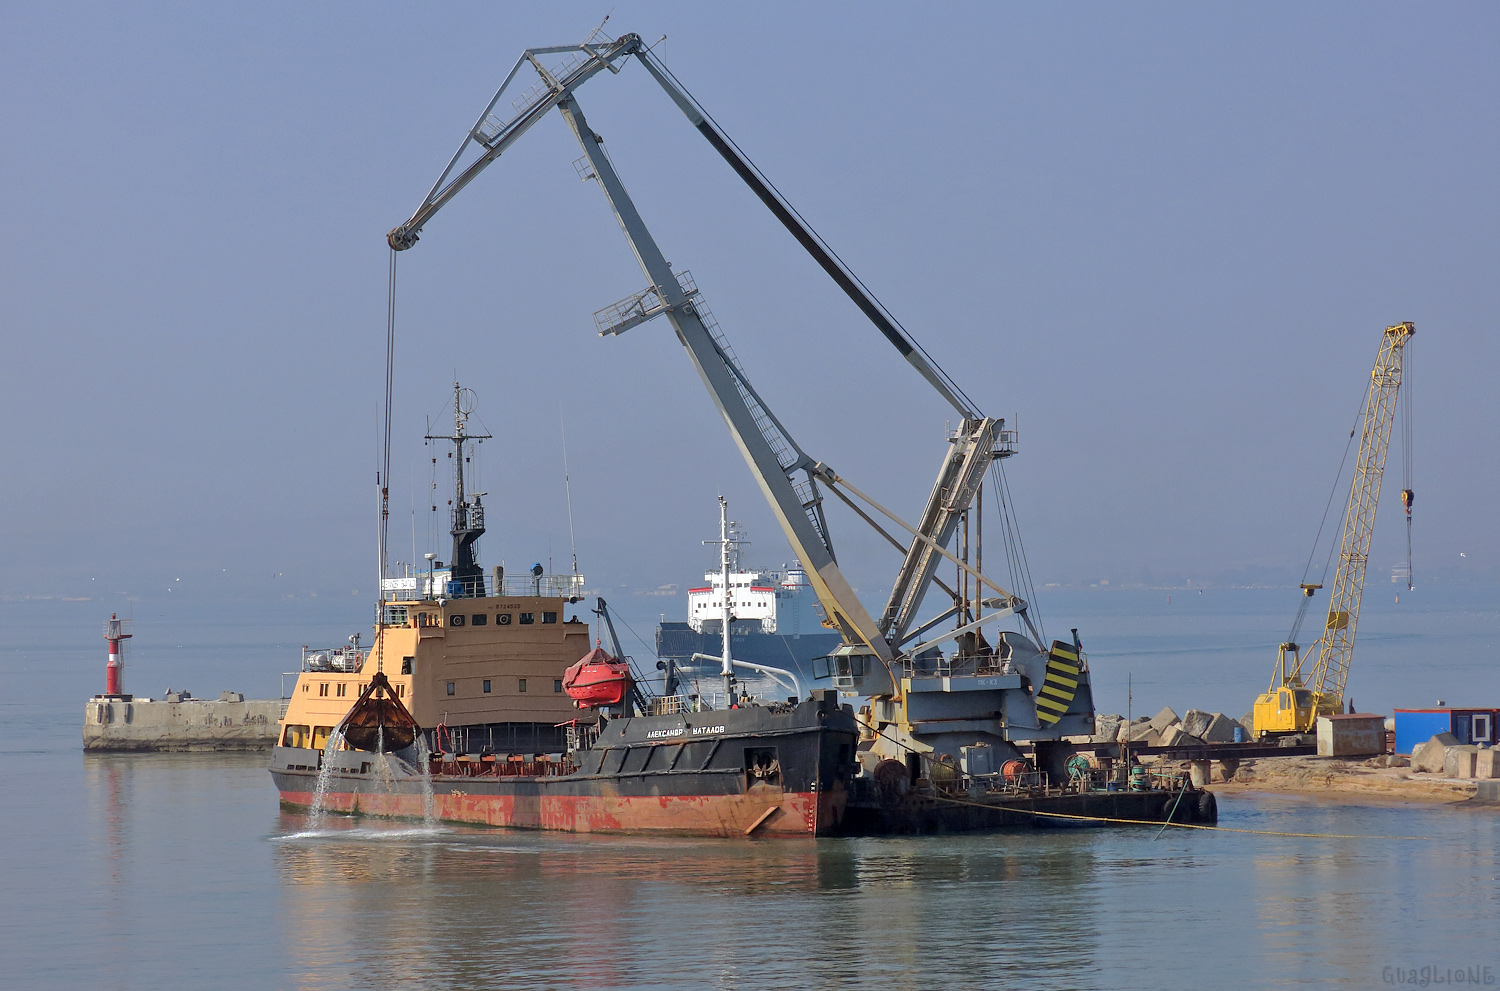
x,y
971,737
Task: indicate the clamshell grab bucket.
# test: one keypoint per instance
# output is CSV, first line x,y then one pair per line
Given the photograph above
x,y
378,722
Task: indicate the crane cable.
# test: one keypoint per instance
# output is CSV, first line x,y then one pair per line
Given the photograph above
x,y
1406,456
383,479
1327,507
947,379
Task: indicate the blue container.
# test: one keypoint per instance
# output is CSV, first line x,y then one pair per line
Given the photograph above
x,y
1416,726
455,590
1239,734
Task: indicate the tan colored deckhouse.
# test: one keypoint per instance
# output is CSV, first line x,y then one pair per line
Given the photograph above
x,y
484,672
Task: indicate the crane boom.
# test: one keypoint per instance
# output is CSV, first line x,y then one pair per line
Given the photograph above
x,y
922,703
797,514
1292,703
1330,672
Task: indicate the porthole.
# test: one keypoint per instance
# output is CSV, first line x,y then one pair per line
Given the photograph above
x,y
503,619
456,620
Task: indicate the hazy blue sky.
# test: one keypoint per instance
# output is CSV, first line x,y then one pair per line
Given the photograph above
x,y
1165,237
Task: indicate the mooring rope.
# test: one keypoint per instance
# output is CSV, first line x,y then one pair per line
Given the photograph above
x,y
1180,825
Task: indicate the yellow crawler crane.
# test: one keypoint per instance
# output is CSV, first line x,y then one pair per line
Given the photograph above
x,y
1292,704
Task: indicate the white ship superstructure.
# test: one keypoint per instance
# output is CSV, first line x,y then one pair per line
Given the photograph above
x,y
781,601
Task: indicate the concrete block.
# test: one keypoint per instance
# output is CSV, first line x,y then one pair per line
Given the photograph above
x,y
1458,762
1221,729
1487,763
1428,756
1199,772
1141,733
1195,722
1163,719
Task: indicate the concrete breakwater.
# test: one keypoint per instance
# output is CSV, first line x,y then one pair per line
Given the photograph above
x,y
180,723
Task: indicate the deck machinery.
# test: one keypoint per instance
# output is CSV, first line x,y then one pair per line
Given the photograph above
x,y
921,701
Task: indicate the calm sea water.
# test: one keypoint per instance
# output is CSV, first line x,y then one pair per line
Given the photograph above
x,y
181,871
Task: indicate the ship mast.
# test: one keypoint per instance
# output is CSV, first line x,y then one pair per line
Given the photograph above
x,y
729,553
468,517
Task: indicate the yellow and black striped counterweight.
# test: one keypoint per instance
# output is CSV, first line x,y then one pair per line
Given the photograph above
x,y
1060,685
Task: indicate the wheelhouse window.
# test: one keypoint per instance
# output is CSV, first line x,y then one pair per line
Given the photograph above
x,y
323,690
320,736
342,688
294,736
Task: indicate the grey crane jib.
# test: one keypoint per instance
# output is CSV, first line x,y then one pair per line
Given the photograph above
x,y
788,477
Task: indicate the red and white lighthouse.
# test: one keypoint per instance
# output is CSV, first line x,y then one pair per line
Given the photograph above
x,y
115,631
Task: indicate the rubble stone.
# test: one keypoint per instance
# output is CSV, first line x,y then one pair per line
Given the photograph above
x,y
1107,728
1163,719
1195,722
1458,762
1221,729
1429,756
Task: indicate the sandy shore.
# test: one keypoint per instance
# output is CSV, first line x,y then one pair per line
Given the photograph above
x,y
1347,780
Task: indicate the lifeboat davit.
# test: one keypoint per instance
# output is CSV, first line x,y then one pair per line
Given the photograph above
x,y
599,678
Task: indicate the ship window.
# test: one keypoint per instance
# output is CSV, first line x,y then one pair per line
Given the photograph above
x,y
320,736
450,688
306,688
521,684
294,736
486,686
503,619
1480,733
528,618
406,664
323,690
342,688
401,691
456,620
479,619
549,617
556,685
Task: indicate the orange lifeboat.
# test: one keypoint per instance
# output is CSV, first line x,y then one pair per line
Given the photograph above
x,y
599,678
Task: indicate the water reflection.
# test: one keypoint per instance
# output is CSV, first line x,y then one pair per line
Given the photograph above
x,y
462,906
